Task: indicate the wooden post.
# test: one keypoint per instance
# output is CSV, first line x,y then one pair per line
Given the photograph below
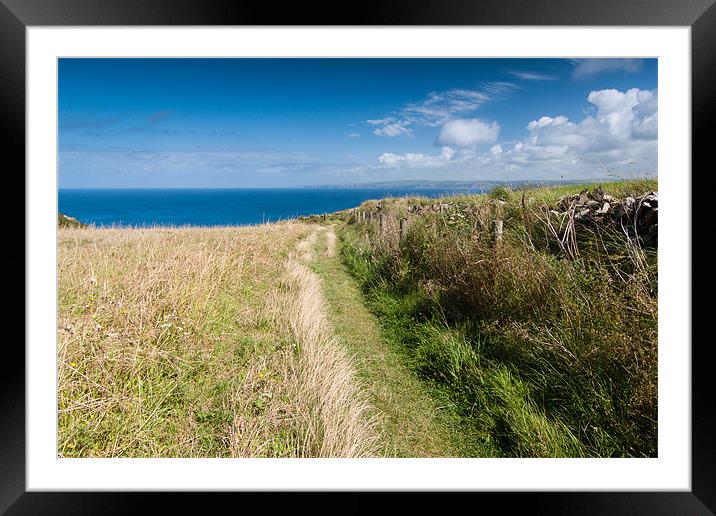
x,y
324,217
403,227
497,231
381,223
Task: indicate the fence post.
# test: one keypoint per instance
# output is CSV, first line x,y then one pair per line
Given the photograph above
x,y
381,223
403,227
497,231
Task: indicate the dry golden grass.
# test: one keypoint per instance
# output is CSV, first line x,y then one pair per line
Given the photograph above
x,y
159,332
330,242
331,409
196,342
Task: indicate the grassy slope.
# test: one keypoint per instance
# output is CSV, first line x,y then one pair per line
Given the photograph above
x,y
542,356
417,421
202,342
166,343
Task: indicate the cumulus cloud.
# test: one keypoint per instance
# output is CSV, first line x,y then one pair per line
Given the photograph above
x,y
589,67
447,153
468,132
621,117
646,128
546,121
622,131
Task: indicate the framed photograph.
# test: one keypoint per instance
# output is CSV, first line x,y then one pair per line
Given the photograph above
x,y
409,249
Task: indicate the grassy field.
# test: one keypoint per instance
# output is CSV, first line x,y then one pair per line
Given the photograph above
x,y
547,350
339,340
198,343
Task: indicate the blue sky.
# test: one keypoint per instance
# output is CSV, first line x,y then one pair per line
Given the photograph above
x,y
223,123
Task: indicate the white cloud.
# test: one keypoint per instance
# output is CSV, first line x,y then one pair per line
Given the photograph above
x,y
589,67
440,107
392,130
447,153
353,134
620,136
623,130
391,127
546,121
417,159
468,132
532,76
621,117
391,159
646,128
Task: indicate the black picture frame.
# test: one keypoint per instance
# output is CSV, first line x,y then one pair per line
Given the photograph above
x,y
17,15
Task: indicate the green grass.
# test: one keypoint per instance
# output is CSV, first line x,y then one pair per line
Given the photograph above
x,y
418,419
543,354
63,221
543,194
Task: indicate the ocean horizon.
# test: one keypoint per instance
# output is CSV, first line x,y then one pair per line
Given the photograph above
x,y
221,207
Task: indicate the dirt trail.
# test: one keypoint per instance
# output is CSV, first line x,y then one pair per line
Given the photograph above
x,y
412,423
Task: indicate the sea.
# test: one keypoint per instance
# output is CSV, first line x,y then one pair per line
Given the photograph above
x,y
220,207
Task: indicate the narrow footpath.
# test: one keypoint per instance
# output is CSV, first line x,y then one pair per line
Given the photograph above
x,y
412,421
